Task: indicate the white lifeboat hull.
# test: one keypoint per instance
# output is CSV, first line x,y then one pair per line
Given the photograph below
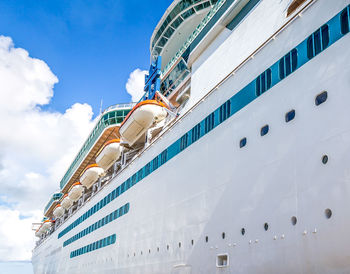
x,y
58,212
109,155
66,203
75,193
45,227
140,120
90,176
38,233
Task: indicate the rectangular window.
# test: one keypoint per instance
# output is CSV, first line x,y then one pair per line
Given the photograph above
x,y
288,63
139,175
196,132
133,179
263,82
164,157
155,163
147,169
127,184
318,41
344,20
209,122
183,142
225,111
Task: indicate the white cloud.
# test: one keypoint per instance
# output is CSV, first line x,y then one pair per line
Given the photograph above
x,y
36,146
135,84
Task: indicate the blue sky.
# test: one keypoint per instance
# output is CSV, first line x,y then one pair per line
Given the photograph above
x,y
91,46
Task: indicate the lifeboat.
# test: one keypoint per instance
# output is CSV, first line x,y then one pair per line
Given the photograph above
x,y
66,202
90,175
140,119
75,192
45,226
38,232
109,154
58,211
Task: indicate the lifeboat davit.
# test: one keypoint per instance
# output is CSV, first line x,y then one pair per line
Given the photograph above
x,y
75,192
58,211
140,119
66,202
91,175
109,154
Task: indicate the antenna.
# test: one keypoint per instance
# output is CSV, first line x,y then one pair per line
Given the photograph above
x,y
101,106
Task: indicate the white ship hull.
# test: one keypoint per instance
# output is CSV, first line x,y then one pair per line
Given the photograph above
x,y
189,213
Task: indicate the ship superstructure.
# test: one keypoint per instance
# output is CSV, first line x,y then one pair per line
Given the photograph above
x,y
233,161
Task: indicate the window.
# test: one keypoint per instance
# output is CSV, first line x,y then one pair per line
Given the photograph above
x,y
225,111
127,184
288,63
155,163
344,20
317,41
263,82
209,122
163,156
133,179
196,132
139,175
321,98
147,169
184,142
264,130
290,115
243,142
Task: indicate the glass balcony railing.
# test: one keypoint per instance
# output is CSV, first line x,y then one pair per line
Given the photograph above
x,y
55,197
193,36
174,78
183,10
113,115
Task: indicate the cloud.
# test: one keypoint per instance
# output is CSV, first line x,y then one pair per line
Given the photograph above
x,y
36,146
135,84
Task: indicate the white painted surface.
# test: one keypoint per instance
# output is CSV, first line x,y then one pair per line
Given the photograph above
x,y
214,186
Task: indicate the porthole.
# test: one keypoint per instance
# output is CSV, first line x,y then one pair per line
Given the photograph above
x,y
266,226
243,231
264,130
290,115
324,159
243,142
328,213
206,239
321,98
223,235
294,220
179,244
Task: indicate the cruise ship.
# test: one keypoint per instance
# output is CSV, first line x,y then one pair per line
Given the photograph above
x,y
235,160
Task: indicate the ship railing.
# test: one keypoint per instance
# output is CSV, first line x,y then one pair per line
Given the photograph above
x,y
118,106
193,36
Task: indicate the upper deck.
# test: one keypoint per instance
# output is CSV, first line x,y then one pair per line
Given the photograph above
x,y
176,25
107,128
